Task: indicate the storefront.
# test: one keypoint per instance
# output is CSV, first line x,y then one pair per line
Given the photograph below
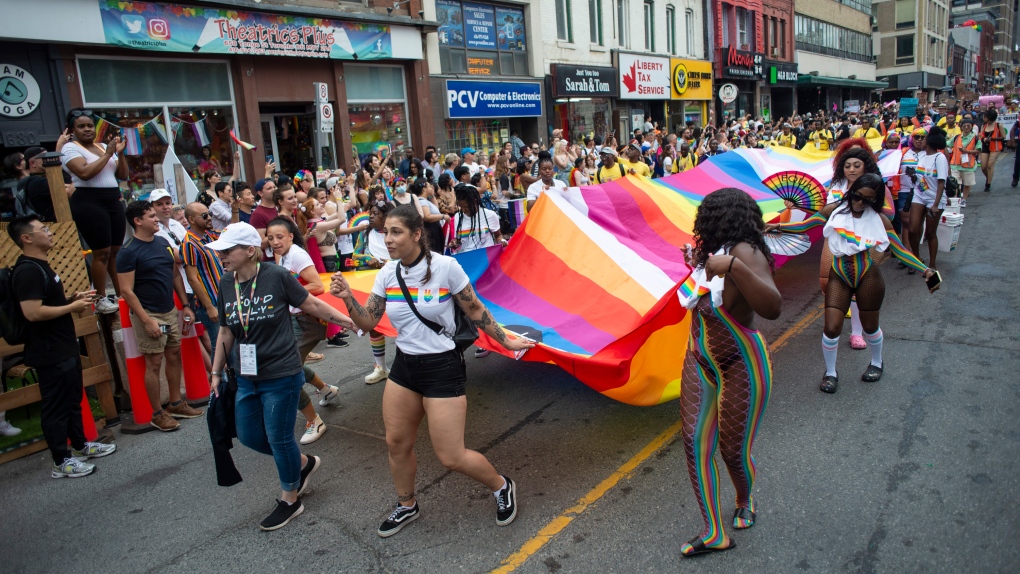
x,y
583,99
644,86
744,70
480,115
165,77
781,88
691,90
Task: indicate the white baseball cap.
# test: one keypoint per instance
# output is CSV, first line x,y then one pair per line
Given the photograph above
x,y
236,234
158,194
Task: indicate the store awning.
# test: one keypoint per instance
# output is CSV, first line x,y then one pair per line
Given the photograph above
x,y
809,80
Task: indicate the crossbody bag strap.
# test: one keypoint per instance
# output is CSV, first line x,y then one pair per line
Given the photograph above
x,y
436,327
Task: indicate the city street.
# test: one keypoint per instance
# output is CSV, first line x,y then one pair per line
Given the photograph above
x,y
915,473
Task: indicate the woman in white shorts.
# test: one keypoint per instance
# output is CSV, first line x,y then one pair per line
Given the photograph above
x,y
929,200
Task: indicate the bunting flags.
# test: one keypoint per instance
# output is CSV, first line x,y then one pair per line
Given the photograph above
x,y
201,136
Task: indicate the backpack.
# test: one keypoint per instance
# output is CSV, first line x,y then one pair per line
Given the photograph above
x,y
598,172
13,325
22,206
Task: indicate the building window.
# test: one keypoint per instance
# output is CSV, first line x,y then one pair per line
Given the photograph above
x,y
622,24
500,49
649,26
770,41
905,10
671,30
727,22
782,38
823,38
595,21
689,29
905,50
564,29
745,28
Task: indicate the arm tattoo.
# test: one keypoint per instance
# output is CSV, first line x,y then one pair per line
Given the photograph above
x,y
486,322
376,306
468,301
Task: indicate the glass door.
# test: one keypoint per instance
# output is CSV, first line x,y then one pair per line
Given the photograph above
x,y
293,141
269,139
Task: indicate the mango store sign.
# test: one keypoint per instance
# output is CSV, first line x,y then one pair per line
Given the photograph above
x,y
643,77
470,99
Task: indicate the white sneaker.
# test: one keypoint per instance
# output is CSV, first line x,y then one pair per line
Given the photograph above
x,y
480,352
94,450
7,429
378,374
104,306
313,431
72,468
328,394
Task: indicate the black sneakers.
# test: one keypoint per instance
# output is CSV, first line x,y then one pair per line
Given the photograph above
x,y
311,466
400,518
506,503
338,341
280,516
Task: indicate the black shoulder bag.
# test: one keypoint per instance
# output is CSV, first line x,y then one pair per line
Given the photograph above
x,y
465,332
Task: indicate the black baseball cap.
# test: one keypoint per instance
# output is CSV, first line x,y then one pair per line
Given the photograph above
x,y
34,152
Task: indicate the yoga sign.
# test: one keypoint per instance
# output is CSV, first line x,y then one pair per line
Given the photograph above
x,y
174,28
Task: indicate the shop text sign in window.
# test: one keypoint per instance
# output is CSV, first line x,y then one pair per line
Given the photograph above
x,y
469,99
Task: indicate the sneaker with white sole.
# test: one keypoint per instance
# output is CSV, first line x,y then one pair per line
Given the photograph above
x,y
164,422
398,519
281,515
480,352
182,410
94,450
72,468
311,466
7,429
378,374
313,431
338,341
328,394
104,306
506,503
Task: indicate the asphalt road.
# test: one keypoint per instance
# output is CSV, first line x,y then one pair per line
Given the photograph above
x,y
916,473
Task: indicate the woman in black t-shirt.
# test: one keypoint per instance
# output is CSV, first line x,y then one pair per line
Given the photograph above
x,y
265,360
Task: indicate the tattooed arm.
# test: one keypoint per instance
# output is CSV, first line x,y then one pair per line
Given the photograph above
x,y
367,317
484,321
320,309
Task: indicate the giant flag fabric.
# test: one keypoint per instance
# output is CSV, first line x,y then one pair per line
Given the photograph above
x,y
592,273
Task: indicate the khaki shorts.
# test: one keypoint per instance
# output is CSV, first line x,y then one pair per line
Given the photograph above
x,y
154,346
964,177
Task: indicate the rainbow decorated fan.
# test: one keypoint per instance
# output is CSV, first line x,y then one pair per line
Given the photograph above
x,y
799,188
788,244
359,219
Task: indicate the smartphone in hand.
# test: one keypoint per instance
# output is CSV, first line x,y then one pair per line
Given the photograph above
x,y
934,282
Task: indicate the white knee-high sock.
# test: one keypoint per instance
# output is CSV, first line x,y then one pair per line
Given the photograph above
x,y
855,320
875,344
829,348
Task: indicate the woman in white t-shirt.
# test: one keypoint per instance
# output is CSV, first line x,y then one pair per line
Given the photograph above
x,y
428,375
475,227
929,194
287,244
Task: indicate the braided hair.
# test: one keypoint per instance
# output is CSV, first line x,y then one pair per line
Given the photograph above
x,y
412,220
291,227
469,194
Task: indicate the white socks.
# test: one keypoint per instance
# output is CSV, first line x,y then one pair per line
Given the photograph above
x,y
875,344
829,347
855,320
496,492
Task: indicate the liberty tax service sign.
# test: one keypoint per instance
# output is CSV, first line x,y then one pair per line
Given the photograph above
x,y
470,99
643,77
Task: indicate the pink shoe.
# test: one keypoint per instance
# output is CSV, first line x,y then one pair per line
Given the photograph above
x,y
858,342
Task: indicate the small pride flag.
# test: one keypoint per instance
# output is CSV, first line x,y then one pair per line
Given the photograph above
x,y
243,144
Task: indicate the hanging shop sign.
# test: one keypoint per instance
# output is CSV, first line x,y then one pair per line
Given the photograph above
x,y
643,77
174,28
480,26
779,73
584,82
690,79
19,92
471,99
741,64
728,93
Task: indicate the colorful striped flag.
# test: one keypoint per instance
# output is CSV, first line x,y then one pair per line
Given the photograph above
x,y
201,137
132,140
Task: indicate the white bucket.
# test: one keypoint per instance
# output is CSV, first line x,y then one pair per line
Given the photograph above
x,y
949,231
952,206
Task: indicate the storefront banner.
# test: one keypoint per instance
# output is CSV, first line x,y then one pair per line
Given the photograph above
x,y
1007,121
740,64
480,26
451,23
468,99
174,28
781,73
643,77
690,79
510,29
584,81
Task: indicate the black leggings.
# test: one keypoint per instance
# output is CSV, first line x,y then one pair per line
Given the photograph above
x,y
99,214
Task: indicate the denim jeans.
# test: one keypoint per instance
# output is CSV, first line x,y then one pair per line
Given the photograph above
x,y
265,413
200,314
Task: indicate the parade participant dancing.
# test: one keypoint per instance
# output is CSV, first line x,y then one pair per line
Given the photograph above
x,y
852,227
429,374
727,371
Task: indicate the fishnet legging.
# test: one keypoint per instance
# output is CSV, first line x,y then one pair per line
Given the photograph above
x,y
870,291
721,403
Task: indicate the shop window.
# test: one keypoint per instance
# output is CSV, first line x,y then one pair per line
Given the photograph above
x,y
153,81
377,104
649,19
595,21
905,50
564,27
465,31
484,136
671,30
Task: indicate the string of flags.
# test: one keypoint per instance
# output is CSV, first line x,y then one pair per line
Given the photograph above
x,y
133,136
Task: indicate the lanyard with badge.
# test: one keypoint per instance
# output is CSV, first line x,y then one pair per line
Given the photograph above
x,y
249,365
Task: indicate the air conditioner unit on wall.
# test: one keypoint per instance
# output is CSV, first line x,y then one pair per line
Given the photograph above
x,y
775,51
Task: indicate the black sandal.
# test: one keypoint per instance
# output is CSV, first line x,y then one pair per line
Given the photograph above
x,y
698,548
745,513
829,384
872,375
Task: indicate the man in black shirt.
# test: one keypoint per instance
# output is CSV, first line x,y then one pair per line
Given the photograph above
x,y
37,189
51,349
148,279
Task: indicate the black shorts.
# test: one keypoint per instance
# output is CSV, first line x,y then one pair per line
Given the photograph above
x,y
99,214
436,376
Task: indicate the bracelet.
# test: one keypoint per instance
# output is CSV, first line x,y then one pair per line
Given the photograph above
x,y
730,268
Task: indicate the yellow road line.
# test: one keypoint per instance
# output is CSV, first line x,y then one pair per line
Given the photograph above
x,y
556,525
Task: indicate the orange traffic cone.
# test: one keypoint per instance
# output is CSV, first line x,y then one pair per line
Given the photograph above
x,y
135,363
88,422
196,381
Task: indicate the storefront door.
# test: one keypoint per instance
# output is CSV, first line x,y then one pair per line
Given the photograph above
x,y
288,138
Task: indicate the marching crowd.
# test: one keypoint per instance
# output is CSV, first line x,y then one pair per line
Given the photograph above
x,y
243,259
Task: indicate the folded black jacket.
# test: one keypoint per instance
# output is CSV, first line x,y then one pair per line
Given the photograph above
x,y
222,432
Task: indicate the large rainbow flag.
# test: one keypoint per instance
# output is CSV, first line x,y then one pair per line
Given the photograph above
x,y
592,272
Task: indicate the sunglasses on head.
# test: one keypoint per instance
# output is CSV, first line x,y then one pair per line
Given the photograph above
x,y
80,113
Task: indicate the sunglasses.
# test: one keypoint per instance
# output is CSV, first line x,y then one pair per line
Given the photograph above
x,y
855,196
80,113
205,215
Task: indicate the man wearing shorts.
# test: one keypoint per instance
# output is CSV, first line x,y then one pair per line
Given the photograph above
x,y
149,278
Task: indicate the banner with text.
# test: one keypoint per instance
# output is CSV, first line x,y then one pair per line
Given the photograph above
x,y
1007,121
643,77
174,28
470,99
691,79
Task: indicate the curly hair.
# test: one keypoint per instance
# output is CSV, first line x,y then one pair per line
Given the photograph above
x,y
842,148
725,218
862,154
